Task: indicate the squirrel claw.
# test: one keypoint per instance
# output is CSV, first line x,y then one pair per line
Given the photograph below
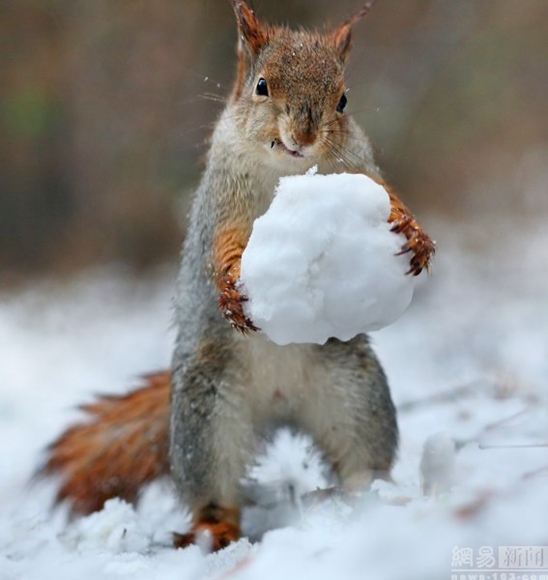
x,y
401,225
231,306
406,248
423,249
418,242
246,329
183,540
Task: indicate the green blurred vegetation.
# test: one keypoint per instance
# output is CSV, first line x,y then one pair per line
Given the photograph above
x,y
105,108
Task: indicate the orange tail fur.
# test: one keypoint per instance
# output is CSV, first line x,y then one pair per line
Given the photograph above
x,y
122,447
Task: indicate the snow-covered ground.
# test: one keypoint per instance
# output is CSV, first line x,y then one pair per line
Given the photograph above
x,y
468,364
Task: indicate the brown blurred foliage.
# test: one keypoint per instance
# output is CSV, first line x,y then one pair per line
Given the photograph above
x,y
104,113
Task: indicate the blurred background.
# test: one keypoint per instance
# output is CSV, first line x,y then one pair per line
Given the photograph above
x,y
106,105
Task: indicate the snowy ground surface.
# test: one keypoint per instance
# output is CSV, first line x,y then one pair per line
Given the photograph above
x,y
468,362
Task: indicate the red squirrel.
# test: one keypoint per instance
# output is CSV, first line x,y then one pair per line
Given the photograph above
x,y
200,422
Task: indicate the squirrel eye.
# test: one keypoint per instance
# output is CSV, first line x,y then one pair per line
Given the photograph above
x,y
261,88
342,103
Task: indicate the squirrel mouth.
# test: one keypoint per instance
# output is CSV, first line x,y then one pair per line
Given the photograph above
x,y
279,145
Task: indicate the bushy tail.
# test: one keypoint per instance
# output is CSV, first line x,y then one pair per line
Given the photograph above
x,y
122,447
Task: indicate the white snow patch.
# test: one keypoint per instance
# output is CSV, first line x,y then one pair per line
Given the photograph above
x,y
438,464
113,529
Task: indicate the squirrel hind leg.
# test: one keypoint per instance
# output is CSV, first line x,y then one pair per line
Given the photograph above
x,y
122,447
357,429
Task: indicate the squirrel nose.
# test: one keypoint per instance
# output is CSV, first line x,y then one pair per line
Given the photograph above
x,y
305,127
304,137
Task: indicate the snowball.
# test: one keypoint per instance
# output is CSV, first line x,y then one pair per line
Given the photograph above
x,y
321,262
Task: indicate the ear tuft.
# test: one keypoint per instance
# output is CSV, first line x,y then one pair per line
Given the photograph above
x,y
342,35
253,36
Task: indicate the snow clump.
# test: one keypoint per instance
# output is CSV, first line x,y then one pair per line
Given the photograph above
x,y
321,262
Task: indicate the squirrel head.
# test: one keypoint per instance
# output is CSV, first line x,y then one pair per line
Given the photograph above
x,y
289,93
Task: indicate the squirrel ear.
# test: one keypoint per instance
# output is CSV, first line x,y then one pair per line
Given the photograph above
x,y
252,35
342,35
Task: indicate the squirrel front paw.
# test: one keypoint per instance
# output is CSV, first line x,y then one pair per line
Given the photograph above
x,y
231,303
418,242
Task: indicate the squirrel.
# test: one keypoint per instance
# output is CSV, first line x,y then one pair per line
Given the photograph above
x,y
199,422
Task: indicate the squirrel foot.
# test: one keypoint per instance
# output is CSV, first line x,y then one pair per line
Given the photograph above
x,y
214,527
418,242
215,535
231,303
